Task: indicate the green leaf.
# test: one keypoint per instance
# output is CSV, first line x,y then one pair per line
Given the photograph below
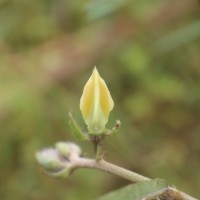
x,y
136,191
77,132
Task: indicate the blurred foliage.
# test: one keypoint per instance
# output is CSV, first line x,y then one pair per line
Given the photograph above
x,y
148,53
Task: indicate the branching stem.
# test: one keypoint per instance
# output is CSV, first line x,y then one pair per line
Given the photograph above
x,y
126,174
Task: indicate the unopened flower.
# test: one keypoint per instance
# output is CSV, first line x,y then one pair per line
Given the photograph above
x,y
49,159
96,103
68,149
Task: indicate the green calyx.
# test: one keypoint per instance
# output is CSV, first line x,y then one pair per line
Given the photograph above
x,y
91,134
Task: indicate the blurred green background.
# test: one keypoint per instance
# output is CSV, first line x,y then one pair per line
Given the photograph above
x,y
148,52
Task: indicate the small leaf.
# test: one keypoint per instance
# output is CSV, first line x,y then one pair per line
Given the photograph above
x,y
77,132
136,191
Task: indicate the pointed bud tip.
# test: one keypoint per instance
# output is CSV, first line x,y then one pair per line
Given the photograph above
x,y
95,72
95,68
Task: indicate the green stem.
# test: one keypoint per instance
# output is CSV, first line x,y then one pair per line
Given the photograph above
x,y
99,152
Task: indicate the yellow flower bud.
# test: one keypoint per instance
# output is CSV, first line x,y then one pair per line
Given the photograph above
x,y
96,103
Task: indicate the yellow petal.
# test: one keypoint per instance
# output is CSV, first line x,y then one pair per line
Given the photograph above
x,y
106,101
96,103
87,98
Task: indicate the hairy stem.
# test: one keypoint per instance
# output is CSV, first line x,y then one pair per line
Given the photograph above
x,y
110,168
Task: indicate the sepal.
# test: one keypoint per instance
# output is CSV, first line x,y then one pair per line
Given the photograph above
x,y
76,130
